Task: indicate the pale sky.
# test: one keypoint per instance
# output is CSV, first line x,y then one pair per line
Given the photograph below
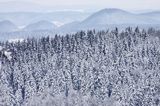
x,y
83,4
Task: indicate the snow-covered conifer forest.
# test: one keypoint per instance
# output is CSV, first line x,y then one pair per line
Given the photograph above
x,y
88,68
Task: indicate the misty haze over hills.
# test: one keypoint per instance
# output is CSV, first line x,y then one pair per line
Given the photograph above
x,y
41,25
72,21
7,26
32,17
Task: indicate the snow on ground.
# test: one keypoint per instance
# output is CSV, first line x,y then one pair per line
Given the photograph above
x,y
58,24
15,40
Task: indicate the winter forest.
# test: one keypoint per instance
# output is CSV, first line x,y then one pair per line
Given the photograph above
x,y
88,68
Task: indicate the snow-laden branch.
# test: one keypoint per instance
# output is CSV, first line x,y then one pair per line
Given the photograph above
x,y
5,54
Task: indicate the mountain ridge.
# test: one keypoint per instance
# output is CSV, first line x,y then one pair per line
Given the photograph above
x,y
7,26
105,18
40,25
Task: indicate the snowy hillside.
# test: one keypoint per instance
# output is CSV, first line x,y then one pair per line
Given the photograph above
x,y
69,21
7,26
109,17
104,19
41,25
33,17
153,15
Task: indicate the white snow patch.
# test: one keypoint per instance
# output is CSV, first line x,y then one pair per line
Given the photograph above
x,y
15,40
58,24
21,27
8,54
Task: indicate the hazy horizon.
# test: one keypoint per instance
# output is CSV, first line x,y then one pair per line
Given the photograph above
x,y
23,13
77,5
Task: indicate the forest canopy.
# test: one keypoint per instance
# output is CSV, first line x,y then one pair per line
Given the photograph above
x,y
88,68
